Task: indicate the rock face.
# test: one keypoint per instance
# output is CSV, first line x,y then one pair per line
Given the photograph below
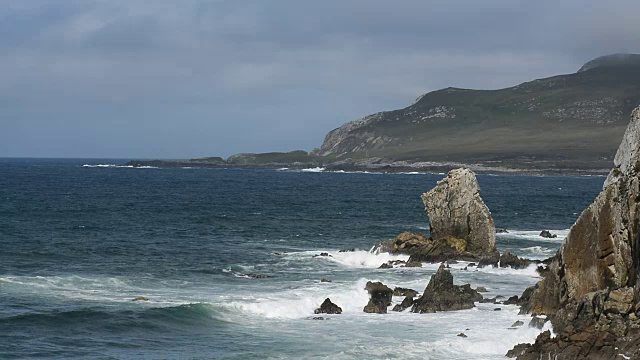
x,y
328,307
591,290
455,209
379,297
441,295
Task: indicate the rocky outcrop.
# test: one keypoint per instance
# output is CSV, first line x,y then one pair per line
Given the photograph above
x,y
442,295
380,297
328,307
547,234
455,209
507,259
405,304
591,290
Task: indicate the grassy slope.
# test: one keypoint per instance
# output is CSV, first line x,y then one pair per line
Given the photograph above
x,y
513,125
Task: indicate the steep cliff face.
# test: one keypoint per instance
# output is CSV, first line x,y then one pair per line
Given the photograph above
x,y
549,119
455,209
592,289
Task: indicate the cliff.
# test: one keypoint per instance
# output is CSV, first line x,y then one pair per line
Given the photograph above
x,y
592,292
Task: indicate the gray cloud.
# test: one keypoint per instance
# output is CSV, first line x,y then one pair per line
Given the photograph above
x,y
197,78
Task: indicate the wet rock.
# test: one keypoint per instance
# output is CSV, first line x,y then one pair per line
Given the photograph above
x,y
462,335
507,259
140,298
347,250
405,304
481,289
380,297
501,231
537,322
518,323
547,234
442,295
328,307
398,291
399,263
256,276
322,254
517,350
319,318
497,309
456,209
325,280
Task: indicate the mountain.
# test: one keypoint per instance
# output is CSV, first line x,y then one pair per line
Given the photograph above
x,y
564,124
572,121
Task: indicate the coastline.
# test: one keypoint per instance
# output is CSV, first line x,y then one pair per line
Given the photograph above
x,y
391,167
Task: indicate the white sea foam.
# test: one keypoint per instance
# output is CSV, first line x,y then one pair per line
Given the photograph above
x,y
538,250
316,169
118,166
353,259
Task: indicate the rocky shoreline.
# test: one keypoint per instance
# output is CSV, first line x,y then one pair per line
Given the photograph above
x,y
590,290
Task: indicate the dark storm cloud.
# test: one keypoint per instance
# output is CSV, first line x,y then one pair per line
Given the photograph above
x,y
197,78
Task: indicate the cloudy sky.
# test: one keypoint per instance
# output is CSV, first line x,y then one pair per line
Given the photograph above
x,y
182,79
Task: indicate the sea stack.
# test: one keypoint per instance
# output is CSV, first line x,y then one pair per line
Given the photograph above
x,y
592,290
441,295
455,209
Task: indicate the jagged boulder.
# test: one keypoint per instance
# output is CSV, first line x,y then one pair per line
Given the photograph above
x,y
592,286
398,291
456,209
380,297
328,307
507,259
405,304
442,295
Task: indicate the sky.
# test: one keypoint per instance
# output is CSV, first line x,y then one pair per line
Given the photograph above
x,y
185,79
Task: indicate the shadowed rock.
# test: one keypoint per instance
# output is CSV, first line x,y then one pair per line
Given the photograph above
x,y
328,307
442,295
380,297
405,304
591,288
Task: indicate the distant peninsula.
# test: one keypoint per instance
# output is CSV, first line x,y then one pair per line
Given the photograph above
x,y
566,124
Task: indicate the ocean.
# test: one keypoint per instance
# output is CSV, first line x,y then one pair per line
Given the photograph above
x,y
80,239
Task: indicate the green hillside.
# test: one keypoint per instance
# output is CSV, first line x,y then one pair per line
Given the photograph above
x,y
574,120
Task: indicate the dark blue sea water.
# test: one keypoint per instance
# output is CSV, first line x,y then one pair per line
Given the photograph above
x,y
77,244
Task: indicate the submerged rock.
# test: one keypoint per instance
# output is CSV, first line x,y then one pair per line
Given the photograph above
x,y
399,263
442,295
328,307
405,304
256,276
140,298
456,209
507,259
547,234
